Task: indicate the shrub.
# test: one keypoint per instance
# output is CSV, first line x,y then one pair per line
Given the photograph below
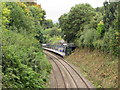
x,y
24,64
110,42
89,37
98,44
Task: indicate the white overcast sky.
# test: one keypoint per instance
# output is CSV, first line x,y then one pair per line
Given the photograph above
x,y
55,8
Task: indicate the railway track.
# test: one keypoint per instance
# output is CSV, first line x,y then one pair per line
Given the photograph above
x,y
64,75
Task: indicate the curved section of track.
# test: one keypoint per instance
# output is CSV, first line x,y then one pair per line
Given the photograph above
x,y
64,75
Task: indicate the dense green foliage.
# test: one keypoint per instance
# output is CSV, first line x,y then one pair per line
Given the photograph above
x,y
112,33
48,24
52,35
52,32
75,20
93,28
24,64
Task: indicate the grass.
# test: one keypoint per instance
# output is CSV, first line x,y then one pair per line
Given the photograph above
x,y
100,68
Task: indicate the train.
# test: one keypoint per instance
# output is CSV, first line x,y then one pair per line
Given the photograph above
x,y
67,48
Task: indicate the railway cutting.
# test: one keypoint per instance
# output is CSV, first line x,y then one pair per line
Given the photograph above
x,y
65,75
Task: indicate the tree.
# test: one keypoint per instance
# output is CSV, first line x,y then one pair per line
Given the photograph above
x,y
74,21
23,62
48,24
38,17
38,14
19,18
111,21
100,9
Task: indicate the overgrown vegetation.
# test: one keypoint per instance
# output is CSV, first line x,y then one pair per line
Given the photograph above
x,y
53,35
94,28
52,32
95,31
99,68
24,29
24,64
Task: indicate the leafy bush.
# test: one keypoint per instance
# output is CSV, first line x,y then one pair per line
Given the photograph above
x,y
100,29
110,42
79,41
24,64
98,44
88,37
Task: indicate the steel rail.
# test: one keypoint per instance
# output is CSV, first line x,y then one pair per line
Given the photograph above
x,y
59,70
60,58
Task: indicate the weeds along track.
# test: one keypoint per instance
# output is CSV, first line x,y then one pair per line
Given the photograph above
x,y
65,75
